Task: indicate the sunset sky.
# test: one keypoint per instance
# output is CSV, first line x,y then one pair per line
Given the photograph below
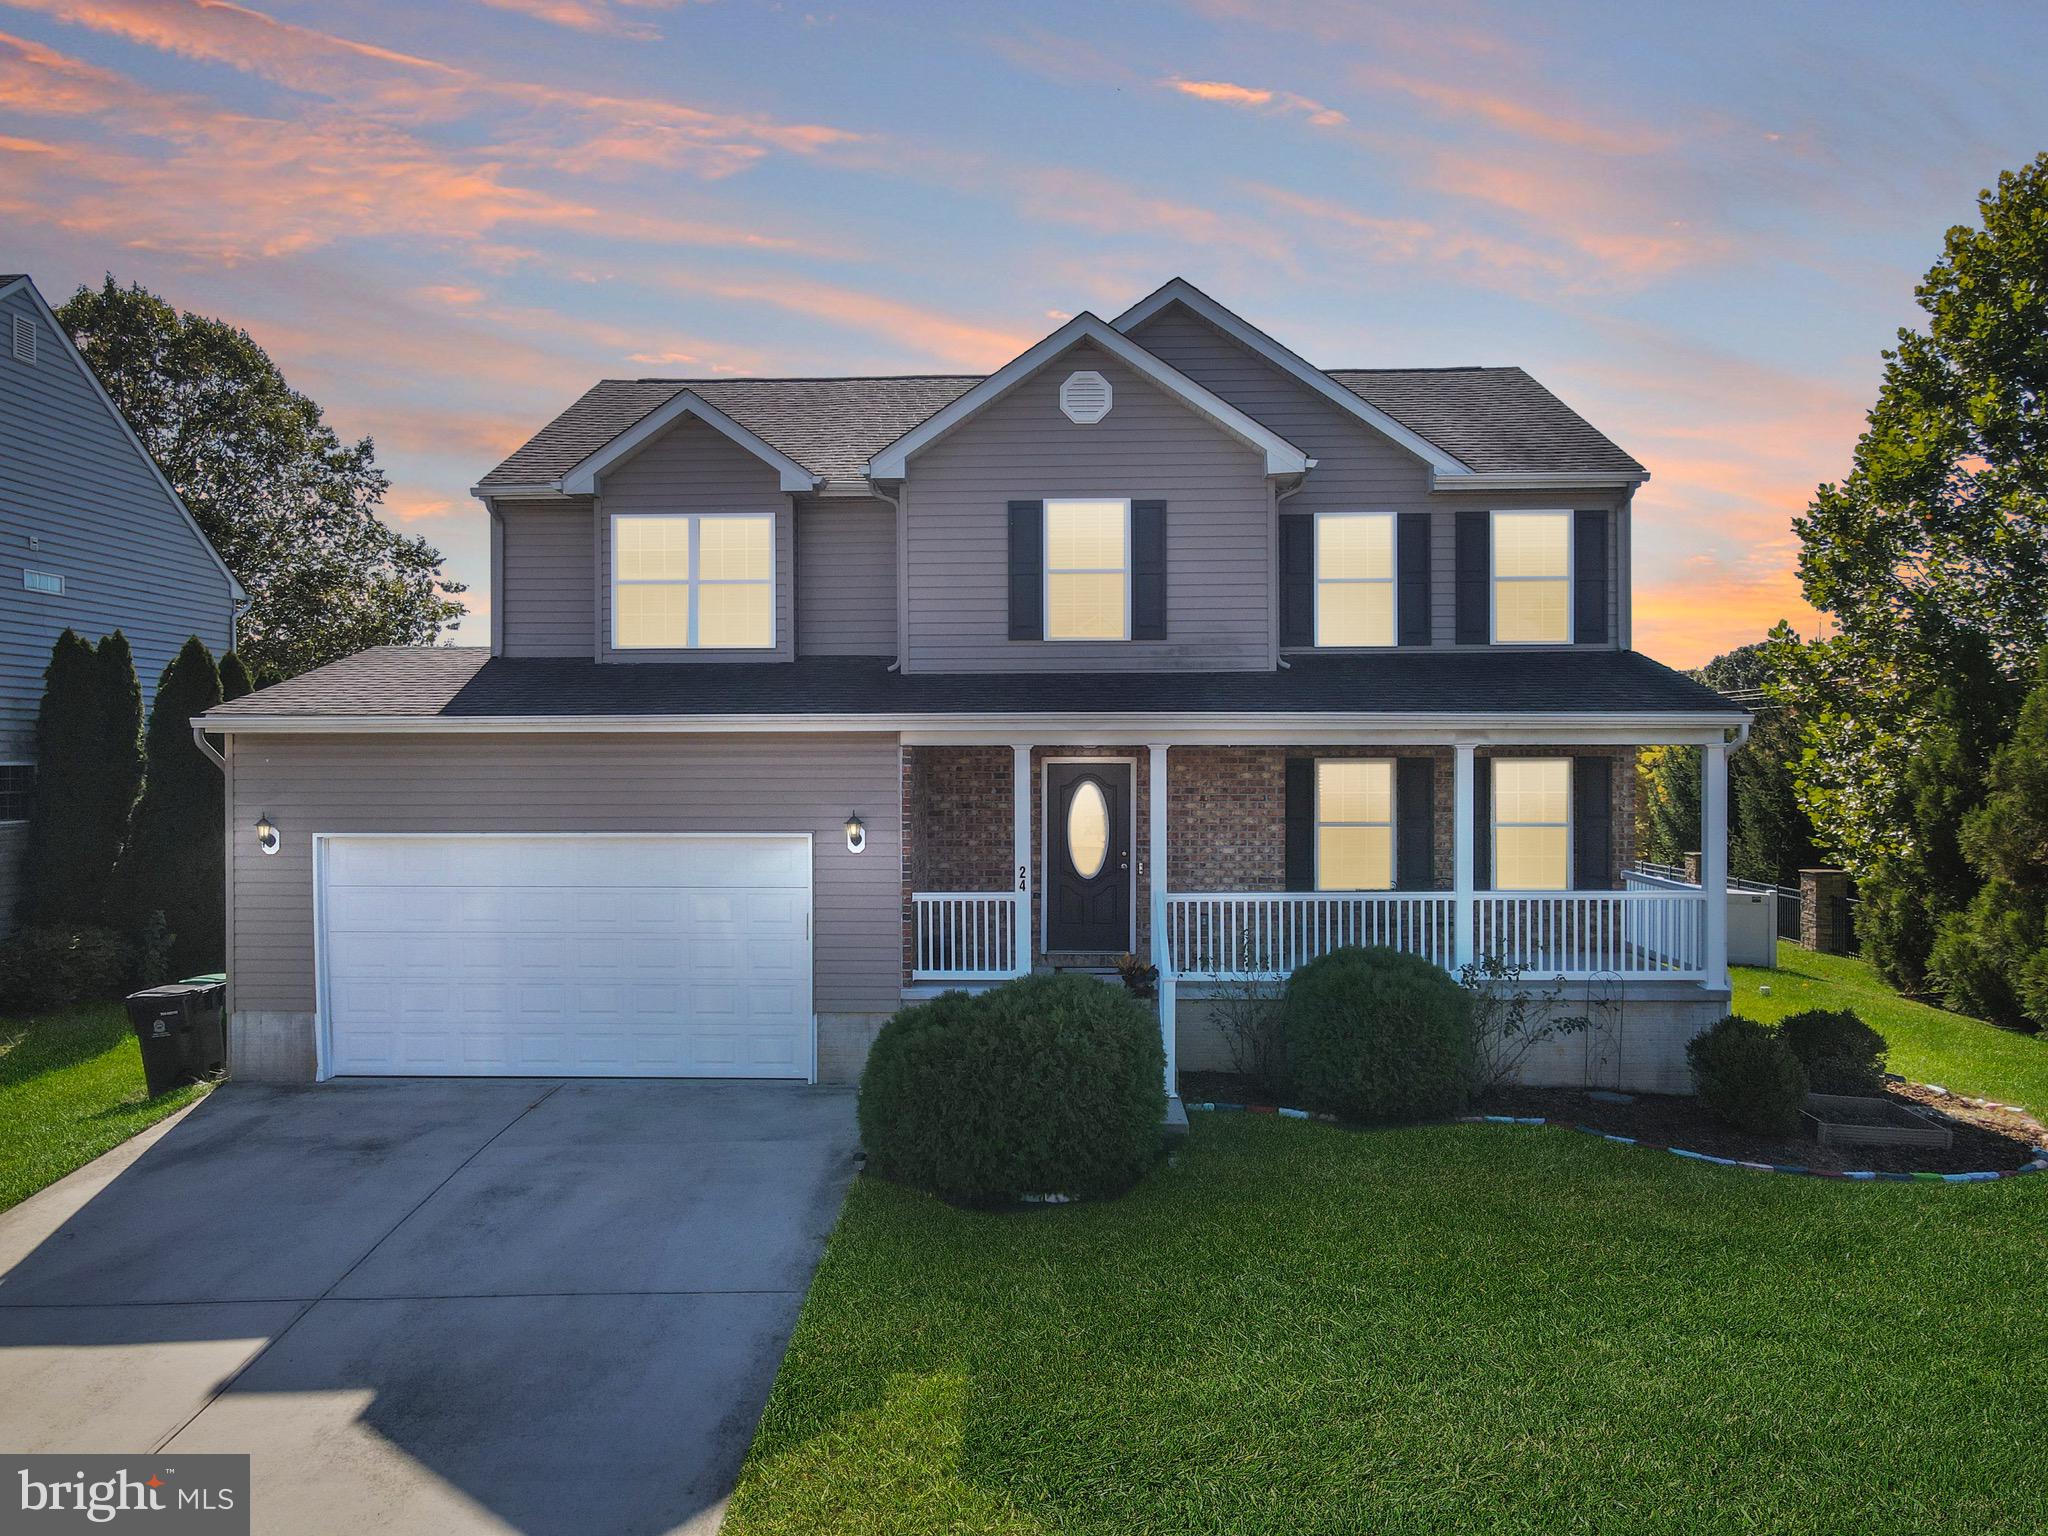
x,y
1698,225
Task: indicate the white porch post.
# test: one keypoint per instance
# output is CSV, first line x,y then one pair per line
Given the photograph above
x,y
1714,857
1461,853
1162,955
1020,837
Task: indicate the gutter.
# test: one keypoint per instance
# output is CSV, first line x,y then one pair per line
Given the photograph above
x,y
199,740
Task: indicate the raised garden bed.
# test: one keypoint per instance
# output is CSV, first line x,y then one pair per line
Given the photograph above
x,y
1848,1120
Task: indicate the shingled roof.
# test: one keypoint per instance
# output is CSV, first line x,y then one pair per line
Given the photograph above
x,y
1497,420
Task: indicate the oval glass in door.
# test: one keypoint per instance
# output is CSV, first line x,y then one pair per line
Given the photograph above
x,y
1087,829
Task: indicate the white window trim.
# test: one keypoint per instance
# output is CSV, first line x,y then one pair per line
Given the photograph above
x,y
1392,824
1493,579
1493,831
30,576
693,580
18,821
1392,581
1046,572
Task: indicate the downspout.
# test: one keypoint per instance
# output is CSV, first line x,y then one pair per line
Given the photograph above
x,y
1280,495
902,613
199,740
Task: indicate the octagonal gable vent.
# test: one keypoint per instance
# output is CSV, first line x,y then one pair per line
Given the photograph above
x,y
1085,398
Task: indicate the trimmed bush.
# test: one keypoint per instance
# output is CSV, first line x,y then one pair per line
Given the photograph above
x,y
1377,1035
1839,1052
1747,1076
1044,1085
46,968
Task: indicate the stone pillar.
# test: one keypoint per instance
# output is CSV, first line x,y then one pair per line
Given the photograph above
x,y
1692,869
1824,924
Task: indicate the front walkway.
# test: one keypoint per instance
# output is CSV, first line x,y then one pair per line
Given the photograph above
x,y
447,1306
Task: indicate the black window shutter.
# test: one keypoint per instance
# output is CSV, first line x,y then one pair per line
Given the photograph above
x,y
1301,823
1027,570
1415,823
1482,824
1148,570
1475,569
1411,559
1589,571
1592,823
1297,578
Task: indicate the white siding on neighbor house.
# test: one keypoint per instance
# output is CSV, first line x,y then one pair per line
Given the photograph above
x,y
1150,446
695,468
845,578
547,597
560,783
1358,468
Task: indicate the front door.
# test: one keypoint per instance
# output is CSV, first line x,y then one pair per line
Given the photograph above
x,y
1088,851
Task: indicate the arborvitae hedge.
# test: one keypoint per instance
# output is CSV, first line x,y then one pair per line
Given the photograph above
x,y
234,677
61,883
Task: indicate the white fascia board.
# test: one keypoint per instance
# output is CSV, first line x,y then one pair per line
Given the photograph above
x,y
1181,291
1541,480
518,492
78,358
582,480
1282,457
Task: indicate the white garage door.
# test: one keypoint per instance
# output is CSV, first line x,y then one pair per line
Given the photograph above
x,y
591,956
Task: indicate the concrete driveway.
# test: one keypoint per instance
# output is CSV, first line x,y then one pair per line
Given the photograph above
x,y
432,1306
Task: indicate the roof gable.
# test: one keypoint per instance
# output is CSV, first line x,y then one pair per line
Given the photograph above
x,y
580,479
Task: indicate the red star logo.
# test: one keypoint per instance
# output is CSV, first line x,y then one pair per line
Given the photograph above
x,y
154,1481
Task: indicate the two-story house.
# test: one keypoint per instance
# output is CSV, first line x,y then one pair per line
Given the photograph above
x,y
808,696
95,540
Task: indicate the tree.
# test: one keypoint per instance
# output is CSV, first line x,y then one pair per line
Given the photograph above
x,y
234,677
175,861
290,507
88,768
1932,555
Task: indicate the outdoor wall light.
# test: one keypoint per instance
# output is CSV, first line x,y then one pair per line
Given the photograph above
x,y
856,832
266,833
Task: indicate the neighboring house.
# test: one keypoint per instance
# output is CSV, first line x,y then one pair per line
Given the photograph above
x,y
95,540
808,696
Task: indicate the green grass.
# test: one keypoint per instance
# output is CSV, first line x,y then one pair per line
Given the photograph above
x,y
1928,1044
70,1087
1297,1328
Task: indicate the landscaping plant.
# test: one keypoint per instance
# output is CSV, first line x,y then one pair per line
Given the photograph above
x,y
1748,1077
1377,1035
46,968
89,768
1046,1085
1510,1020
1838,1051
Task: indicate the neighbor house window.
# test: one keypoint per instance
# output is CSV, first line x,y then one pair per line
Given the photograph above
x,y
1355,824
1354,578
17,790
1532,578
1087,570
1532,835
701,581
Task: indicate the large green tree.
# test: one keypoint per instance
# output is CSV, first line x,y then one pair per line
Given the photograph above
x,y
1932,556
290,507
88,770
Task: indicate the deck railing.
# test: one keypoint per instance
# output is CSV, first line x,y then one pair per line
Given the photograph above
x,y
1629,934
964,936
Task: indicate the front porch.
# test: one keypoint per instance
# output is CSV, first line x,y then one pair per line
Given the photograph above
x,y
1204,846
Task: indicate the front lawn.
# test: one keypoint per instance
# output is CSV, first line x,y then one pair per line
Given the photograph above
x,y
1297,1328
70,1087
1928,1045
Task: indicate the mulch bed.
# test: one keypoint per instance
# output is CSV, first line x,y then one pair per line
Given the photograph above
x,y
1988,1138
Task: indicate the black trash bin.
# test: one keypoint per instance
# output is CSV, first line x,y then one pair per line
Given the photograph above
x,y
182,1030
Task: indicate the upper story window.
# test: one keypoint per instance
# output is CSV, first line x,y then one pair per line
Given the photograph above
x,y
1087,570
1354,824
1354,578
1532,578
696,581
1532,800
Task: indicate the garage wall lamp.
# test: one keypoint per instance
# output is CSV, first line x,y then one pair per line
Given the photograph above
x,y
266,833
856,832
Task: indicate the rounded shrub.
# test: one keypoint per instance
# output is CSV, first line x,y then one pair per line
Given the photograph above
x,y
48,968
1841,1053
1043,1085
1377,1035
1747,1076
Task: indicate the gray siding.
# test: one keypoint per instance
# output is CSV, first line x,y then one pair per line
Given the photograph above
x,y
845,578
547,783
1358,468
694,468
546,599
1219,527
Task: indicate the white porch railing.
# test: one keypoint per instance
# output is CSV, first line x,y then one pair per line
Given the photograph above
x,y
1272,934
1630,934
965,936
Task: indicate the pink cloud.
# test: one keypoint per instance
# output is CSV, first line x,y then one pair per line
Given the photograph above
x,y
1090,200
579,16
412,506
1516,118
1224,93
959,343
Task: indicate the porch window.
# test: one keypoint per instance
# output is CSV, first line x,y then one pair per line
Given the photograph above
x,y
1355,824
693,582
1354,578
1532,578
1532,799
1087,570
